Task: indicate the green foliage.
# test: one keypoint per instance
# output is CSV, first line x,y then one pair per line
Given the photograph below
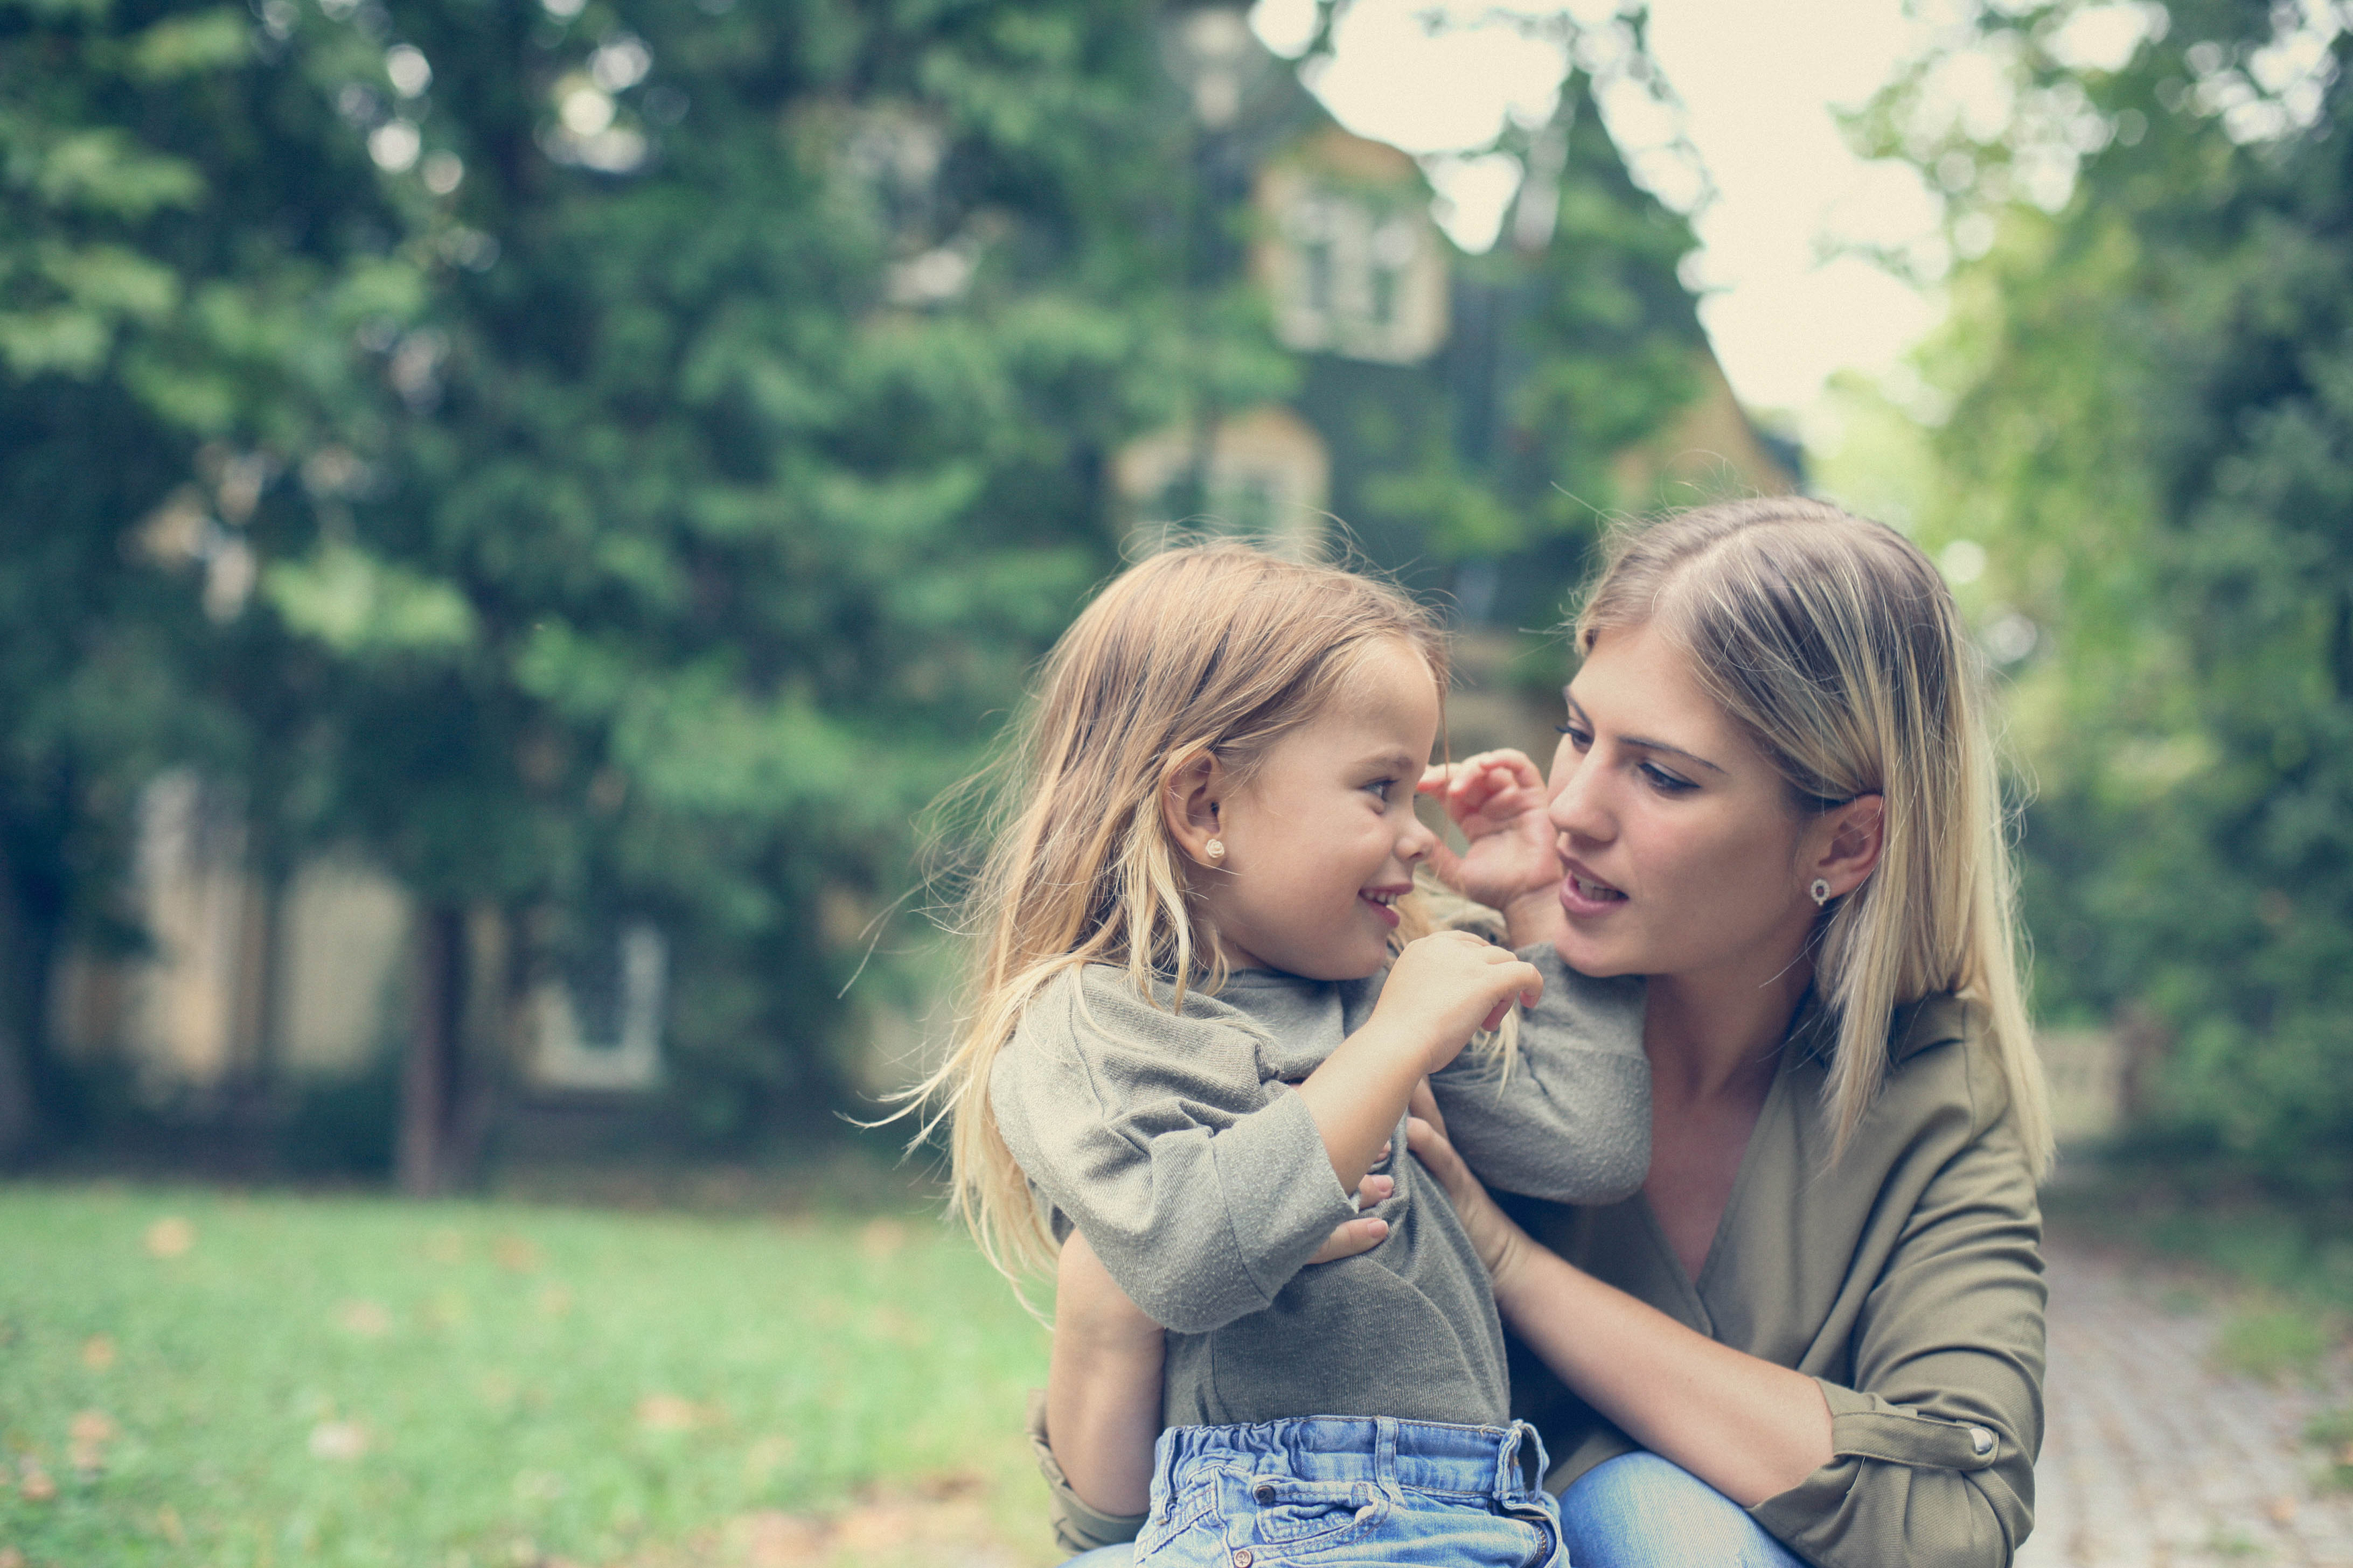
x,y
346,1381
2152,435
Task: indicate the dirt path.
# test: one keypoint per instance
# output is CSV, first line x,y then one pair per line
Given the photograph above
x,y
2155,1459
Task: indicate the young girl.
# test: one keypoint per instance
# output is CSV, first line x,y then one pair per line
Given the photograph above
x,y
1193,1027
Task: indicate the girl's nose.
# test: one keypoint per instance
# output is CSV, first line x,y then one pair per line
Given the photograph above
x,y
1415,842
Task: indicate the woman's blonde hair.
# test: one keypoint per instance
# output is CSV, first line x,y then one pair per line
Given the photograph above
x,y
1218,650
1833,642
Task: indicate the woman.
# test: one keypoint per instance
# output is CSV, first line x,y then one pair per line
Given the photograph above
x,y
1816,1335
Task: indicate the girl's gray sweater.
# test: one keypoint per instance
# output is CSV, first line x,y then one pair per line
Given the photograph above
x,y
1174,1141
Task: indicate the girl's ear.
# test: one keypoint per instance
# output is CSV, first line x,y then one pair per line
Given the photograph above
x,y
1847,843
1188,804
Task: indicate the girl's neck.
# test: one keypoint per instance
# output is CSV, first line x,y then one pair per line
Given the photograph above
x,y
1712,1036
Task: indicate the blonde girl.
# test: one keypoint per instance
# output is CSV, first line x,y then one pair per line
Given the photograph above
x,y
1193,1027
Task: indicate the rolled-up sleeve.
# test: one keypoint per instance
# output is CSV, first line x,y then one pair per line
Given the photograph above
x,y
1569,1121
1934,1441
1202,1190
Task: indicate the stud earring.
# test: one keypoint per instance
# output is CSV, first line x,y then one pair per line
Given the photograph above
x,y
1215,849
1821,891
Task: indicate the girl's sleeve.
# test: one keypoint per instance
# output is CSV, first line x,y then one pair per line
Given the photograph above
x,y
1934,1433
1570,1121
1202,1189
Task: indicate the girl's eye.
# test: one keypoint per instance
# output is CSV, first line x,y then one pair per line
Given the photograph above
x,y
1380,788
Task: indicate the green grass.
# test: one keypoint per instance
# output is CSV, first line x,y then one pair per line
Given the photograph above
x,y
352,1379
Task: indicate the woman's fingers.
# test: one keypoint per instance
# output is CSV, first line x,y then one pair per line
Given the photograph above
x,y
1350,1237
1376,1190
1424,1104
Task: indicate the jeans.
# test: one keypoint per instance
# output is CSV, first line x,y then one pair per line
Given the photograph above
x,y
1348,1492
1639,1510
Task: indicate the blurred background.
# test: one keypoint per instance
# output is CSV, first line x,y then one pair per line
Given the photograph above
x,y
510,509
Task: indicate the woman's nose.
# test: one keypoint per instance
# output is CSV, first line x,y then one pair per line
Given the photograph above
x,y
1577,808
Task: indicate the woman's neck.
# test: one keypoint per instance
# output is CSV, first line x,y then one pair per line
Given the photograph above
x,y
1715,1034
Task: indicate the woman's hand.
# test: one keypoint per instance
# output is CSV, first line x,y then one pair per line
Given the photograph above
x,y
1498,1239
1498,799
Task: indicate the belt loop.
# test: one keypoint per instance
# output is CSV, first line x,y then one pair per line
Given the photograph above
x,y
1385,1446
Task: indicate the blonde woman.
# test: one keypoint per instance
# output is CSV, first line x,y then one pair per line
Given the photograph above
x,y
1816,1333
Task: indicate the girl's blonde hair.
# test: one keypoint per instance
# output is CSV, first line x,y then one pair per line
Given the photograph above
x,y
1217,649
1834,643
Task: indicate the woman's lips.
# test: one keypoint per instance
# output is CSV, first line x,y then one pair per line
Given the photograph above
x,y
1581,893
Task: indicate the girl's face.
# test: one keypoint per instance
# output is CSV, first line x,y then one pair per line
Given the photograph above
x,y
1683,854
1324,839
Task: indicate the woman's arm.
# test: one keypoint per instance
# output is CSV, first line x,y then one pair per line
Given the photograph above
x,y
1746,1427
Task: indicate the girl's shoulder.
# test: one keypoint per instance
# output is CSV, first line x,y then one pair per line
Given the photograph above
x,y
1099,1006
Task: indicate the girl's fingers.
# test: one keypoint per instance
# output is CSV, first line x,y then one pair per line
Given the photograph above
x,y
1350,1237
1374,1190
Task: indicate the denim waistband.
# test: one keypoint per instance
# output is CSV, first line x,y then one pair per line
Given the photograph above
x,y
1506,1463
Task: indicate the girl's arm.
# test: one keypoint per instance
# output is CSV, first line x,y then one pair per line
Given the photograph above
x,y
1747,1428
1102,1385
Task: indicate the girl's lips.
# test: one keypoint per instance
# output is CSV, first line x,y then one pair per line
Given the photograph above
x,y
1581,894
1388,916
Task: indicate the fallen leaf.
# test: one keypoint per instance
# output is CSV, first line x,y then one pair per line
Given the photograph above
x,y
2345,1458
881,1238
338,1440
11,1558
167,1520
170,1236
668,1412
37,1486
2282,1510
943,1485
366,1318
774,1539
93,1426
766,1457
516,1254
97,1355
554,1301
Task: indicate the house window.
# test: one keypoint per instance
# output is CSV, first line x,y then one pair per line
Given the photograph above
x,y
1352,262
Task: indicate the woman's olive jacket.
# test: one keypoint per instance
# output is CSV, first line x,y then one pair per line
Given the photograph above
x,y
1905,1278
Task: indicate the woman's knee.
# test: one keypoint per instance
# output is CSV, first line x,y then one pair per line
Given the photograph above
x,y
1639,1510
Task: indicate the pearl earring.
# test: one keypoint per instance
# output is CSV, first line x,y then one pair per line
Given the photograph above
x,y
1215,849
1821,891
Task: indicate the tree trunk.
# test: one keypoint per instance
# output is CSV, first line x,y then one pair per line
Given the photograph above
x,y
431,1078
24,974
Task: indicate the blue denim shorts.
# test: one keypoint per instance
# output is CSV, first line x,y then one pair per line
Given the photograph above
x,y
1350,1493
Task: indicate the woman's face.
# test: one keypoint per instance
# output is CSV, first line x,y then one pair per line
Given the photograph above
x,y
1683,855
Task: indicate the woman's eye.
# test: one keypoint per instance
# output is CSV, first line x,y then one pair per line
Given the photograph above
x,y
1664,782
1576,734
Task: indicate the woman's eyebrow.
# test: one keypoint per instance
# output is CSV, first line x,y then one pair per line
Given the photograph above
x,y
1644,741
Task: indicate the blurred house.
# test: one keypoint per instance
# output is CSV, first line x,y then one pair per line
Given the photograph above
x,y
1440,406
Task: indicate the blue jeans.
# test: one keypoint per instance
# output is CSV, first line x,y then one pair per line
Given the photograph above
x,y
1347,1490
1639,1510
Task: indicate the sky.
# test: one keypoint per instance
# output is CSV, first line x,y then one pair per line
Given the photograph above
x,y
1759,85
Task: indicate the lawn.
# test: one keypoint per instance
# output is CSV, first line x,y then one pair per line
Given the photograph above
x,y
190,1376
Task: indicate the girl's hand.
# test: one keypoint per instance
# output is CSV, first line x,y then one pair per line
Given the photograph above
x,y
1498,799
1445,986
1498,1239
1351,1236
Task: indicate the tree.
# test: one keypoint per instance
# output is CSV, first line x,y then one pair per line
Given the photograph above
x,y
2152,435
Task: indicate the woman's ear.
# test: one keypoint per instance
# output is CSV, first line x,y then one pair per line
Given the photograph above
x,y
1189,800
1846,842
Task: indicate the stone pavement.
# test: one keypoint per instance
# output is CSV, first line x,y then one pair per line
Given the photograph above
x,y
2154,1458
